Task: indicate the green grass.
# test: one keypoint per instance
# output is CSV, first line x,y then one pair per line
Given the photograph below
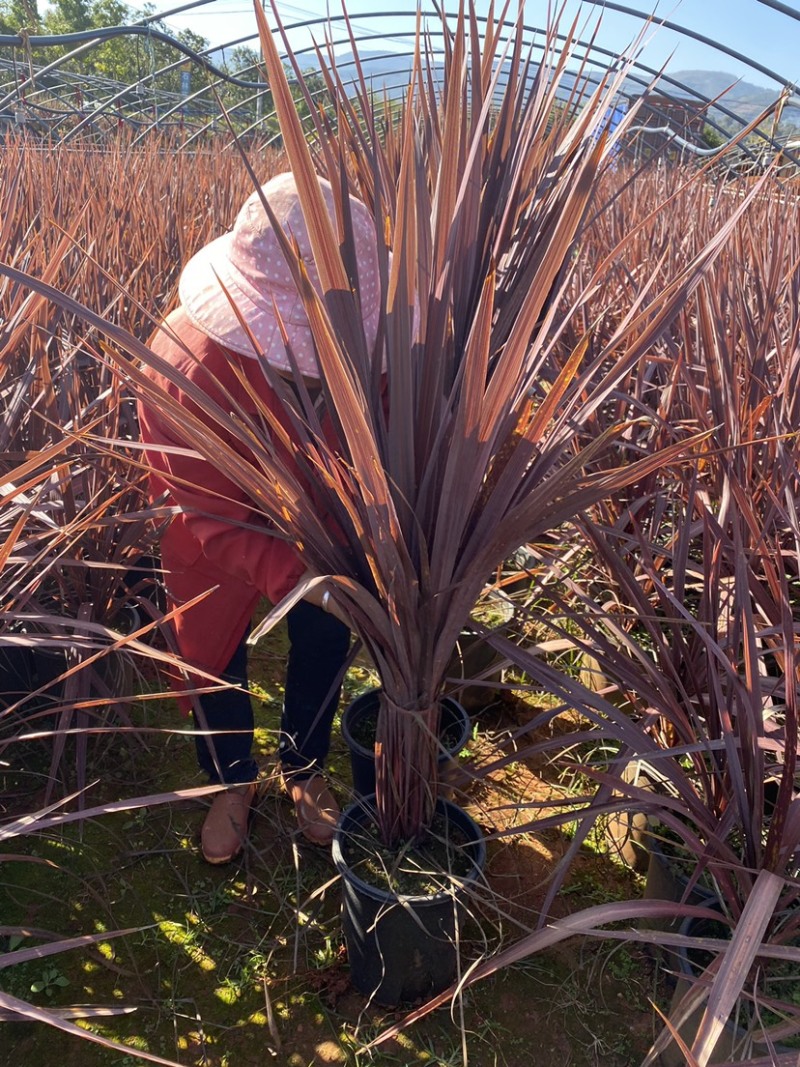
x,y
244,964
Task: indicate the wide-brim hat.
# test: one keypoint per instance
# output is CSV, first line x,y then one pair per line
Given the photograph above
x,y
249,264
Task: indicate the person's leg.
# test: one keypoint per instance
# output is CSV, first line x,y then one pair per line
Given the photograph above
x,y
318,650
225,726
319,644
224,752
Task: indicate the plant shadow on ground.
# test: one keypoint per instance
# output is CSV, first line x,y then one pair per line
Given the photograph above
x,y
244,964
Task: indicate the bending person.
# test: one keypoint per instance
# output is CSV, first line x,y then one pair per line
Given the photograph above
x,y
217,541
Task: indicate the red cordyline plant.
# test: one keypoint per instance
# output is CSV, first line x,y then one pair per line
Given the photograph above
x,y
15,947
460,436
687,607
697,634
692,618
700,638
482,198
32,542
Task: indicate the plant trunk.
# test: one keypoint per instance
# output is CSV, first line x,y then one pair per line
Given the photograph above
x,y
406,769
362,713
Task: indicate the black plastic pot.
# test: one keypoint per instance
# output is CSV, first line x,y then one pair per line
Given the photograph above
x,y
474,661
26,668
16,674
453,720
736,1042
144,580
666,880
403,948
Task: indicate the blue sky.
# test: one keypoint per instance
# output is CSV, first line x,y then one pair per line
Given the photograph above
x,y
749,27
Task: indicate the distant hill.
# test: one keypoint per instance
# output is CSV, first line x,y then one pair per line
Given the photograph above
x,y
381,68
712,83
742,97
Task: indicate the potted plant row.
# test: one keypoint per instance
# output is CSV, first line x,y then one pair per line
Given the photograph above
x,y
700,643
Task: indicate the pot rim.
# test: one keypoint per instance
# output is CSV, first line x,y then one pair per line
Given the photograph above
x,y
371,694
363,809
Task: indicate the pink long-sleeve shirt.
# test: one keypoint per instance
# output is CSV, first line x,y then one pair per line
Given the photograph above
x,y
203,547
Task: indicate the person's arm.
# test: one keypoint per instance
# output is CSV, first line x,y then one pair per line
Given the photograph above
x,y
218,514
231,536
324,596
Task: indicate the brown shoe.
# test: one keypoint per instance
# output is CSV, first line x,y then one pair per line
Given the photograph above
x,y
315,806
225,828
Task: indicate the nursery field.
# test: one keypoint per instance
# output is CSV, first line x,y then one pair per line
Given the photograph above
x,y
246,964
571,439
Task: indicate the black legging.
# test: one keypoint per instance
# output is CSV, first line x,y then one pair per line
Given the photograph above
x,y
318,649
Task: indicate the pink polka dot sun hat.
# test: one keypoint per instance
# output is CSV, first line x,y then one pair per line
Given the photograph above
x,y
249,263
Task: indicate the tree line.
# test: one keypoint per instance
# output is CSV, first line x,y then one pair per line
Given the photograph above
x,y
148,64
